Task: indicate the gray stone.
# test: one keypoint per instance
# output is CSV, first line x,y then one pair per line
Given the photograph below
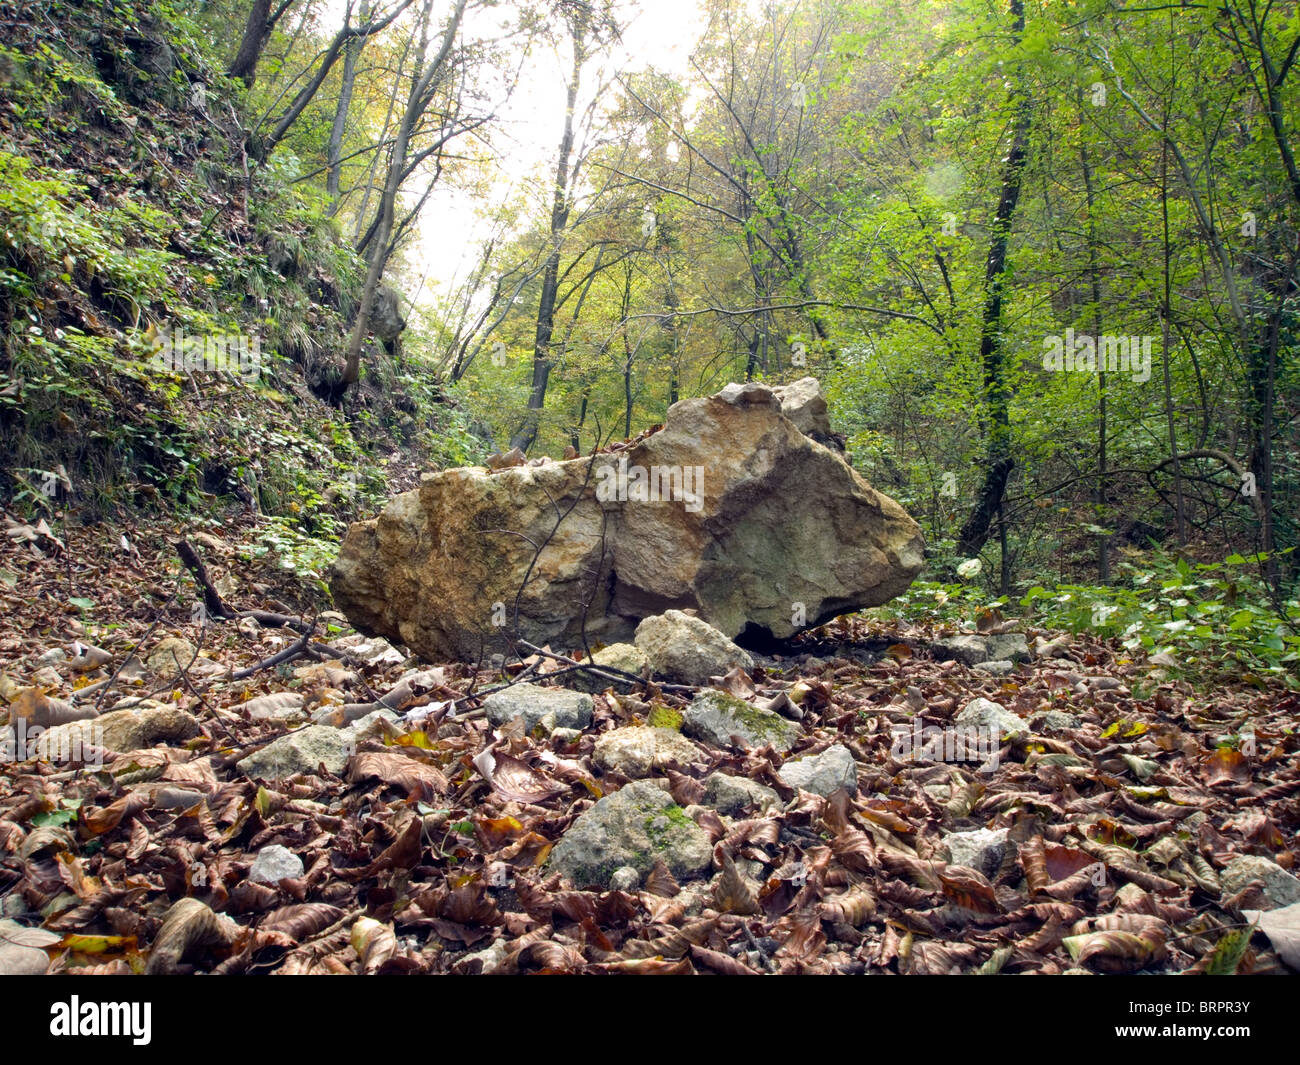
x,y
824,773
370,727
623,656
1054,721
533,702
1008,646
636,826
273,864
970,649
686,650
998,667
1280,887
638,750
986,714
164,658
736,796
303,751
982,849
715,717
966,648
625,879
122,730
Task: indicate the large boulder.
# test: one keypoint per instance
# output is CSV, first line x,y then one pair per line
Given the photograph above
x,y
728,510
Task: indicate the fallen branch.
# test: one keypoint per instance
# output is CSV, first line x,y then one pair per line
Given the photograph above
x,y
291,652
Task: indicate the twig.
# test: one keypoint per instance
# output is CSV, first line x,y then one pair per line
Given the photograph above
x,y
288,653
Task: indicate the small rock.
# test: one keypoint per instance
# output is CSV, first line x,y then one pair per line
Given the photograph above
x,y
981,849
122,730
52,657
636,826
715,717
1280,887
1054,721
164,658
687,650
1009,646
986,714
998,667
966,649
273,864
300,752
822,774
735,796
489,959
625,878
625,656
370,727
533,702
636,751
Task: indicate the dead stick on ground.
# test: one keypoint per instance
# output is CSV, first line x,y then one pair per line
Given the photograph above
x,y
298,647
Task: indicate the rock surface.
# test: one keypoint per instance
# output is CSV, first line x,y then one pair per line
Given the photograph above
x,y
622,656
636,751
736,796
761,526
273,864
532,702
300,752
686,650
636,826
121,730
715,717
986,714
981,849
971,649
822,774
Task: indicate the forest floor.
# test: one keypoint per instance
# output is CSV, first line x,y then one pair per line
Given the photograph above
x,y
1125,825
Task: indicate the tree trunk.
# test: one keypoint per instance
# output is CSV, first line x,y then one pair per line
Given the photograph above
x,y
526,434
999,461
417,102
257,29
335,151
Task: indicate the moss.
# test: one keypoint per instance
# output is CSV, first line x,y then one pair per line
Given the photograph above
x,y
665,717
760,722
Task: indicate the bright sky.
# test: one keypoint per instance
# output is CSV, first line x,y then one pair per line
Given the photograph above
x,y
526,134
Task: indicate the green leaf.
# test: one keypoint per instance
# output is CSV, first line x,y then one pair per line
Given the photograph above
x,y
1228,952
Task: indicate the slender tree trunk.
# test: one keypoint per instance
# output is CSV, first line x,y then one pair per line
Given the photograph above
x,y
1094,274
420,97
999,461
335,150
543,357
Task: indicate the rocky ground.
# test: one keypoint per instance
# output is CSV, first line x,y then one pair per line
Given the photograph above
x,y
344,809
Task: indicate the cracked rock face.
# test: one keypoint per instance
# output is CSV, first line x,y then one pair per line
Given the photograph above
x,y
729,510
